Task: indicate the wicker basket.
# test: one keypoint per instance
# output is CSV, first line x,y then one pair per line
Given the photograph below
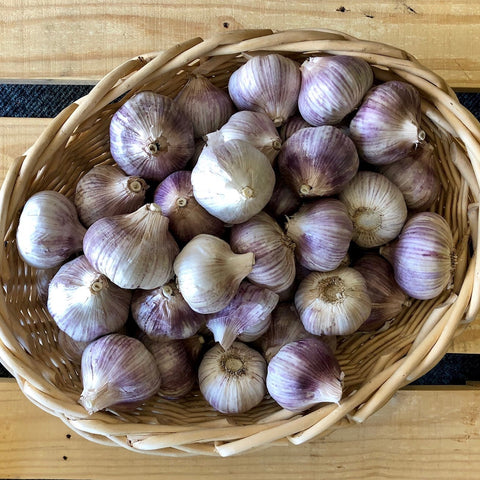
x,y
376,365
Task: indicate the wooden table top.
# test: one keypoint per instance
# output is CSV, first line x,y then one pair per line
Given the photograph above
x,y
422,432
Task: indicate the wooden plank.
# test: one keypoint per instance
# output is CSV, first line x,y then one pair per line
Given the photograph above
x,y
428,434
68,40
17,134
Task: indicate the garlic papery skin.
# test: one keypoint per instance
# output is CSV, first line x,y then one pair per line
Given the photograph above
x,y
207,106
209,273
376,207
285,327
175,367
303,374
423,257
255,128
105,191
322,231
269,84
232,381
332,87
187,218
72,349
49,230
233,180
333,303
117,370
84,303
387,126
283,202
388,299
163,313
246,316
134,250
150,136
274,251
292,125
416,177
318,161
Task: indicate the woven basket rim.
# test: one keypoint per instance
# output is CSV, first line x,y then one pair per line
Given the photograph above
x,y
223,436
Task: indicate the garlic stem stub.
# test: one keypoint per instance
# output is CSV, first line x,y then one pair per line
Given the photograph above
x,y
134,250
274,266
232,381
333,303
84,303
117,371
105,191
150,136
386,127
209,273
174,196
163,313
49,231
267,83
207,106
376,207
233,180
318,161
322,231
332,87
303,374
423,257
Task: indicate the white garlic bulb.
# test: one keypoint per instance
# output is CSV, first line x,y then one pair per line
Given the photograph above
x,y
267,83
209,273
134,250
84,303
49,230
233,181
150,136
333,303
232,381
376,207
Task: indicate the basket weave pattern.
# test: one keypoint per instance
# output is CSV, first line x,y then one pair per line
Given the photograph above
x,y
376,364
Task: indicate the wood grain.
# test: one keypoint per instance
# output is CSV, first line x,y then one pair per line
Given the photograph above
x,y
76,40
427,434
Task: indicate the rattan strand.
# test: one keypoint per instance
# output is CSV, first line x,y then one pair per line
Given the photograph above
x,y
376,364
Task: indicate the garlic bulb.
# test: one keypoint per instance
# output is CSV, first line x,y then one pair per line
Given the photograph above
x,y
333,303
175,367
49,230
388,299
416,177
233,181
246,317
209,273
117,371
207,106
376,207
332,87
72,349
267,83
232,381
285,327
423,256
84,303
387,127
304,373
284,201
150,136
274,266
321,231
292,125
105,191
255,128
164,313
318,161
187,218
134,250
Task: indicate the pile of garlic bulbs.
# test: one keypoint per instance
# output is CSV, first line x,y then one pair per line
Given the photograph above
x,y
239,232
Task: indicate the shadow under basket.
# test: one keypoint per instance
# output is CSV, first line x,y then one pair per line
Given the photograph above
x,y
375,364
